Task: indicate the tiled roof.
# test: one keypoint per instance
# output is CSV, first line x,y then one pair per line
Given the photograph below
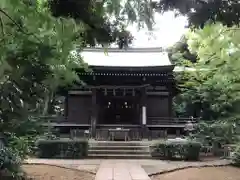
x,y
135,57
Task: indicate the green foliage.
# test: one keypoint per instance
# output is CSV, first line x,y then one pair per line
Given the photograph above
x,y
185,150
180,54
130,11
68,149
35,59
212,88
217,69
9,163
201,11
51,134
217,132
106,21
20,145
236,156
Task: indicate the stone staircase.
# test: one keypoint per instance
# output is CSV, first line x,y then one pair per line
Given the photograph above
x,y
118,150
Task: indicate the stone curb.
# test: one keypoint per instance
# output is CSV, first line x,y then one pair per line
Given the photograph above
x,y
188,167
60,166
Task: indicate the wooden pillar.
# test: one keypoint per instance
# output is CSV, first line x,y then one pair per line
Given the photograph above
x,y
143,106
178,133
144,113
94,113
170,99
66,106
170,104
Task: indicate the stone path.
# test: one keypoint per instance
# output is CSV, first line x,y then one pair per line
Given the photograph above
x,y
121,171
151,166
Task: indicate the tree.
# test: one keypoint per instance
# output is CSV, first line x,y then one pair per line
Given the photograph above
x,y
105,21
214,86
201,11
35,59
179,53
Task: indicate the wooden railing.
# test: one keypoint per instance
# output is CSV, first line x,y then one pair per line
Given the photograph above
x,y
118,126
155,127
134,134
152,122
169,120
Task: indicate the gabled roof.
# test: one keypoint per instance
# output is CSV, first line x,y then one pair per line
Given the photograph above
x,y
132,57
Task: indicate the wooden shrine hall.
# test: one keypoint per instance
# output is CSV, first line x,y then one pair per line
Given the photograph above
x,y
125,91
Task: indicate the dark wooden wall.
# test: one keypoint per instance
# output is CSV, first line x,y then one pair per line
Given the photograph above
x,y
157,106
79,109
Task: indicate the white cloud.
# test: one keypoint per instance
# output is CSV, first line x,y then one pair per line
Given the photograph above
x,y
167,30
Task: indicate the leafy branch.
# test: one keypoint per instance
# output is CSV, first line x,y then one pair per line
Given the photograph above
x,y
16,24
2,26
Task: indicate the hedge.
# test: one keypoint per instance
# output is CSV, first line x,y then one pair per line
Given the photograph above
x,y
170,150
236,156
62,148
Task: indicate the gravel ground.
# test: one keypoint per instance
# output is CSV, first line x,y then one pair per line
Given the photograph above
x,y
46,172
163,166
208,173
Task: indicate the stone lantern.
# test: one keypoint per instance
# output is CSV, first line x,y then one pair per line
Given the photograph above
x,y
189,127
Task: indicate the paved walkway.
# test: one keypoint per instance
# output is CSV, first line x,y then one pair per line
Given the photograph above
x,y
151,166
120,171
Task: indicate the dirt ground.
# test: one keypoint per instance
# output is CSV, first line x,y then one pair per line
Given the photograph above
x,y
208,173
46,172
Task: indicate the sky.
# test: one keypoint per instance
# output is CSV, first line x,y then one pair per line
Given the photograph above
x,y
167,30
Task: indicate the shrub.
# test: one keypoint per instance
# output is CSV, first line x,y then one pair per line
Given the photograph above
x,y
10,165
236,156
185,150
8,160
216,133
60,148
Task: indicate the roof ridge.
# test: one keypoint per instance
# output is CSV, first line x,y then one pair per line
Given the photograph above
x,y
128,50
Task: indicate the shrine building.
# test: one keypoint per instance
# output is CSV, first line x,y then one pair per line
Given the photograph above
x,y
129,89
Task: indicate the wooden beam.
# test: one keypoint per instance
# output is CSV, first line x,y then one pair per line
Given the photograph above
x,y
79,92
117,87
157,93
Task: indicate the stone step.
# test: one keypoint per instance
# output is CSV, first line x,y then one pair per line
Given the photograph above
x,y
119,156
116,151
119,149
118,143
96,147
